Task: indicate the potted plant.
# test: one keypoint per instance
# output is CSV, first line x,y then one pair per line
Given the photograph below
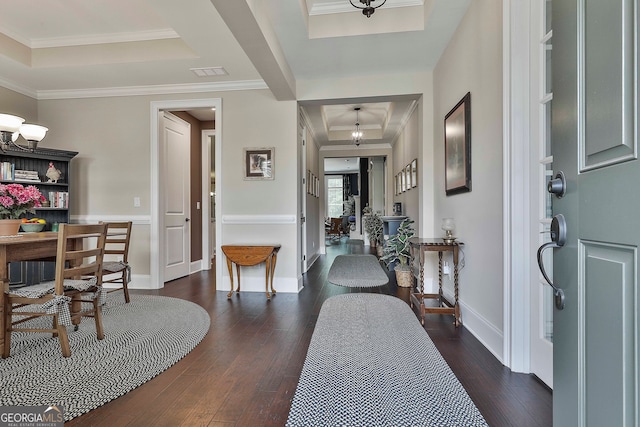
x,y
17,200
397,253
372,224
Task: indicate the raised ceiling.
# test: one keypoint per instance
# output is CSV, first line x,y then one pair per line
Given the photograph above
x,y
82,48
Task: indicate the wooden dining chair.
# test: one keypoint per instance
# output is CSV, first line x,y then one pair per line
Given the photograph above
x,y
78,278
335,228
116,268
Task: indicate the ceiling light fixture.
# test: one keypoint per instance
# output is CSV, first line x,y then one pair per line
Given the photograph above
x,y
365,6
357,134
12,126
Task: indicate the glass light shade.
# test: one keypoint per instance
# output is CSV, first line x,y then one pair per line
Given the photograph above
x,y
448,224
33,132
9,123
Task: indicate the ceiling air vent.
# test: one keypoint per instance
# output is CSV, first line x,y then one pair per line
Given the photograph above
x,y
209,71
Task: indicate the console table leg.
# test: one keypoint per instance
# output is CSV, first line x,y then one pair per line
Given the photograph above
x,y
273,269
267,269
230,268
455,288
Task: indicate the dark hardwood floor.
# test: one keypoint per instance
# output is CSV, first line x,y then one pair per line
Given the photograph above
x,y
246,369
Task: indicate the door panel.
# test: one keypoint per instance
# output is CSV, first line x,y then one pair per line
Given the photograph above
x,y
594,142
609,334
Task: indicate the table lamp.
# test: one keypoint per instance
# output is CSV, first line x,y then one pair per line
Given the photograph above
x,y
448,225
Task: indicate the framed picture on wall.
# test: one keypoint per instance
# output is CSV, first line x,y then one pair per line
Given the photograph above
x,y
258,163
407,174
317,187
309,181
403,181
457,147
414,173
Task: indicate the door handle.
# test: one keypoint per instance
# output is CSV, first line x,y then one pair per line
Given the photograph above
x,y
558,239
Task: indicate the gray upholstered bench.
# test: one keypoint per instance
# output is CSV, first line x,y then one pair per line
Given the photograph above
x,y
370,363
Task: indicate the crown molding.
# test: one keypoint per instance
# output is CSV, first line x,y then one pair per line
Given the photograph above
x,y
137,36
352,147
340,6
151,90
17,88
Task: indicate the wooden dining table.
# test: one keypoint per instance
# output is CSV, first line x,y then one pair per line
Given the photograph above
x,y
23,247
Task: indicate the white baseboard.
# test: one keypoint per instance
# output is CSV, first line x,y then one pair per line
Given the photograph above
x,y
195,266
312,259
490,336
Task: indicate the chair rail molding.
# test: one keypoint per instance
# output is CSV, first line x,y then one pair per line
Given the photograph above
x,y
258,219
88,219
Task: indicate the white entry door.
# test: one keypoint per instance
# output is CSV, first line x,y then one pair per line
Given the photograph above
x,y
595,143
541,296
175,196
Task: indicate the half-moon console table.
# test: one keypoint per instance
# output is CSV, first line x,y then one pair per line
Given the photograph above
x,y
248,255
421,245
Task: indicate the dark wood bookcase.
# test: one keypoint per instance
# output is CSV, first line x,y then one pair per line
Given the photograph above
x,y
38,160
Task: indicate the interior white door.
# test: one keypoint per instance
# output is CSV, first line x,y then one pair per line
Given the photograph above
x,y
595,143
174,166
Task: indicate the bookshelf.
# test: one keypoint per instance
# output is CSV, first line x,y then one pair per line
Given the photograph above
x,y
35,164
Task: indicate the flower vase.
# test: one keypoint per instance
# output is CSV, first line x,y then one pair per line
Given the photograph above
x,y
9,227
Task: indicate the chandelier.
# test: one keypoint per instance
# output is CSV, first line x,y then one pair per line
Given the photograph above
x,y
365,6
357,134
11,127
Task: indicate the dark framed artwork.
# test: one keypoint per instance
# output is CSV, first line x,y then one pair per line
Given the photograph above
x,y
457,147
258,163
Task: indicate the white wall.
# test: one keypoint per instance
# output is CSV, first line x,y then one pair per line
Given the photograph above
x,y
472,62
314,219
112,135
19,105
405,149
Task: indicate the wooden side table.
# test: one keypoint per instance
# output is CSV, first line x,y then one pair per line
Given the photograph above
x,y
248,255
418,247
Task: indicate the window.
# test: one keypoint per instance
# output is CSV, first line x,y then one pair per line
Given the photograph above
x,y
334,196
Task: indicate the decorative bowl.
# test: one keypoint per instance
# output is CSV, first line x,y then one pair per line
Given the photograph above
x,y
32,227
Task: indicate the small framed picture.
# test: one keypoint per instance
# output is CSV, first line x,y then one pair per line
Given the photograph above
x,y
407,174
258,163
414,173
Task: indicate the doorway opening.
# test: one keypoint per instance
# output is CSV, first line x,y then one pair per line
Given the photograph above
x,y
210,162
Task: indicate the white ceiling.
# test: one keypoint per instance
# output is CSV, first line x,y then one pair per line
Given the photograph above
x,y
79,48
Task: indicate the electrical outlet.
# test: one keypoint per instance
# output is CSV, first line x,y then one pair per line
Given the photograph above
x,y
446,269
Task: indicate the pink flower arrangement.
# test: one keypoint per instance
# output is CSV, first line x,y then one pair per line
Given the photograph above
x,y
16,200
